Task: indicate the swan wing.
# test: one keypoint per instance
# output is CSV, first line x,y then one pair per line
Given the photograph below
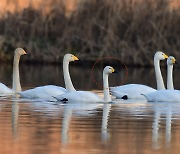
x,y
79,96
132,91
118,94
5,90
163,96
43,92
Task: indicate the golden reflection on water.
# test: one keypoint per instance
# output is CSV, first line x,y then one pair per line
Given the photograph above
x,y
26,127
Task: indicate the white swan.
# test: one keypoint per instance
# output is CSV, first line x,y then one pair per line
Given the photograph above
x,y
49,91
169,95
134,91
163,96
16,86
89,97
170,61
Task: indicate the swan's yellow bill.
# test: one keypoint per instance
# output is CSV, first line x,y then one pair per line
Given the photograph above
x,y
75,58
113,70
165,56
24,52
173,60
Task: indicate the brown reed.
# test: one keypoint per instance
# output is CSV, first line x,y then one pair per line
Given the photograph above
x,y
129,29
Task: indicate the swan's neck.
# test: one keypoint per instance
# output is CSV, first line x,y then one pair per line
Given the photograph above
x,y
170,77
16,86
107,97
67,79
159,79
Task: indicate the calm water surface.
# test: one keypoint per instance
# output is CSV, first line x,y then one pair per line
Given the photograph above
x,y
126,127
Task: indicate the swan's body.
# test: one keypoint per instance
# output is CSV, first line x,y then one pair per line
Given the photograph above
x,y
43,92
163,96
134,91
80,96
49,91
16,86
169,95
89,97
131,91
4,90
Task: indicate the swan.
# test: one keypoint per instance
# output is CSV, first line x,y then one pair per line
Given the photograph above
x,y
49,91
134,91
89,97
170,61
16,86
169,95
163,96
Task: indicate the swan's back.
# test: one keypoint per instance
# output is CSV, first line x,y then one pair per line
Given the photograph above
x,y
43,92
5,90
80,96
132,91
163,96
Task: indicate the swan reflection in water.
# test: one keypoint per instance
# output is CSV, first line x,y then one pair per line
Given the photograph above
x,y
89,109
65,124
105,118
162,110
15,114
75,109
165,110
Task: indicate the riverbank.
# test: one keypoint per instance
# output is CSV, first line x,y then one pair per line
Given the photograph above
x,y
129,30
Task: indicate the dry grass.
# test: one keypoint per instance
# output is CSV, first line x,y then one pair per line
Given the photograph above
x,y
131,30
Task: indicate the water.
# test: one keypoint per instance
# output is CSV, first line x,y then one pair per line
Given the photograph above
x,y
124,127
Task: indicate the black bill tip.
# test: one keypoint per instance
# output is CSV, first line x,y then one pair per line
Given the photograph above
x,y
115,71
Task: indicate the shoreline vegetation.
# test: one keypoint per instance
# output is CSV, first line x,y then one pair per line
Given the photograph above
x,y
131,30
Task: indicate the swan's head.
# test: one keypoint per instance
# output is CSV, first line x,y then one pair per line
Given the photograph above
x,y
70,57
20,51
160,55
109,70
171,60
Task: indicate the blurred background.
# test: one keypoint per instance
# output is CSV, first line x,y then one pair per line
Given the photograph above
x,y
129,29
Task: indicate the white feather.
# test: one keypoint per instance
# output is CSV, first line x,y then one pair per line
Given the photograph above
x,y
132,91
44,92
163,96
80,96
4,90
